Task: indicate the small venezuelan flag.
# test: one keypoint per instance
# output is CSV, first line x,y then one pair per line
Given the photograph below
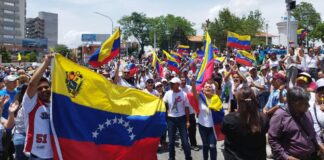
x,y
244,58
156,64
172,62
183,49
238,41
206,69
108,50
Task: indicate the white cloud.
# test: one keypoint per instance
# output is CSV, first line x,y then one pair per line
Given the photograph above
x,y
73,38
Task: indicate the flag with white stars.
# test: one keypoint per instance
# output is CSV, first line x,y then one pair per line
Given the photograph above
x,y
100,120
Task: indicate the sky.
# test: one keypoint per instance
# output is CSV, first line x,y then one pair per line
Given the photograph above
x,y
77,16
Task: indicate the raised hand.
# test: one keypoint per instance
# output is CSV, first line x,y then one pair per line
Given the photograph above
x,y
13,107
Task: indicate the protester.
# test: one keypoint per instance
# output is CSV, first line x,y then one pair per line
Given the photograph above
x,y
205,100
149,87
178,117
317,111
125,80
276,98
291,132
236,82
245,129
36,107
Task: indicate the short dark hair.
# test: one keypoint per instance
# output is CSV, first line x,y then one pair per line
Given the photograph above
x,y
297,94
43,79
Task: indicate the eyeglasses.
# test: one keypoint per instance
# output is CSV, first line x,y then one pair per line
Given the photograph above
x,y
149,81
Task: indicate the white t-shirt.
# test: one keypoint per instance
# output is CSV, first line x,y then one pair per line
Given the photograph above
x,y
310,62
205,116
37,124
289,61
154,92
258,81
177,102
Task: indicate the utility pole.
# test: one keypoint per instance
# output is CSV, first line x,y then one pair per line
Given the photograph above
x,y
267,25
290,5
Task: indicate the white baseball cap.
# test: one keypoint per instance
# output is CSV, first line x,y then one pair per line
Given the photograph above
x,y
175,80
11,78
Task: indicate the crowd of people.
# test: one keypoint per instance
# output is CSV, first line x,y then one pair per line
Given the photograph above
x,y
278,100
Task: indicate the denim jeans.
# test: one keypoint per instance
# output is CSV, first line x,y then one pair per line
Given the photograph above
x,y
209,142
19,142
33,157
292,73
179,123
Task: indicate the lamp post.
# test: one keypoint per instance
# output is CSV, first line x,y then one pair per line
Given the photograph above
x,y
112,22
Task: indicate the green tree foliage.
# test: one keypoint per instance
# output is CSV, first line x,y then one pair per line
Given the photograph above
x,y
170,29
227,21
136,25
308,18
30,57
318,32
306,15
6,56
62,49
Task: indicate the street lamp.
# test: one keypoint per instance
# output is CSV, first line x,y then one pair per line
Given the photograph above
x,y
112,22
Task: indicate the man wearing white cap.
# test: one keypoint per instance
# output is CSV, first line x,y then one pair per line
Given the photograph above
x,y
9,90
178,117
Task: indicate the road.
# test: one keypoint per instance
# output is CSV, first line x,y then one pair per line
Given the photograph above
x,y
197,155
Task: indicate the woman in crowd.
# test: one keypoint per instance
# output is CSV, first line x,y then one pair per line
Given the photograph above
x,y
207,99
245,129
236,82
317,111
312,63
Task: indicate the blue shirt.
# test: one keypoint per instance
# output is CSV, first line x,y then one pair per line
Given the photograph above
x,y
12,95
274,99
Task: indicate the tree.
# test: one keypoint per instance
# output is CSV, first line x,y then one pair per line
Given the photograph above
x,y
62,49
6,56
136,25
170,29
318,32
227,21
307,18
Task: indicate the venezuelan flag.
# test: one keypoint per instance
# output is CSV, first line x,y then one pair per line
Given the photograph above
x,y
132,69
216,109
238,41
172,62
19,57
177,56
108,50
301,33
156,64
206,69
219,59
183,49
244,58
92,118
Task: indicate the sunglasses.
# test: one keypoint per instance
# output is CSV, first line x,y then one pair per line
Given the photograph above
x,y
149,81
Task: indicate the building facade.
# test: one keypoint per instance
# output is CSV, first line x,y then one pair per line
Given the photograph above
x,y
12,23
50,27
45,26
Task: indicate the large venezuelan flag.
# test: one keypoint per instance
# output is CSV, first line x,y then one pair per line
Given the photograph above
x,y
108,50
206,69
244,58
172,62
238,41
156,64
92,118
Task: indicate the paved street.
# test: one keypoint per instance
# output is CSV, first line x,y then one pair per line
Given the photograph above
x,y
196,155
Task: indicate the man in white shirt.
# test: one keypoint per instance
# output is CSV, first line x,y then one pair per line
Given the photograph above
x,y
178,117
36,112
